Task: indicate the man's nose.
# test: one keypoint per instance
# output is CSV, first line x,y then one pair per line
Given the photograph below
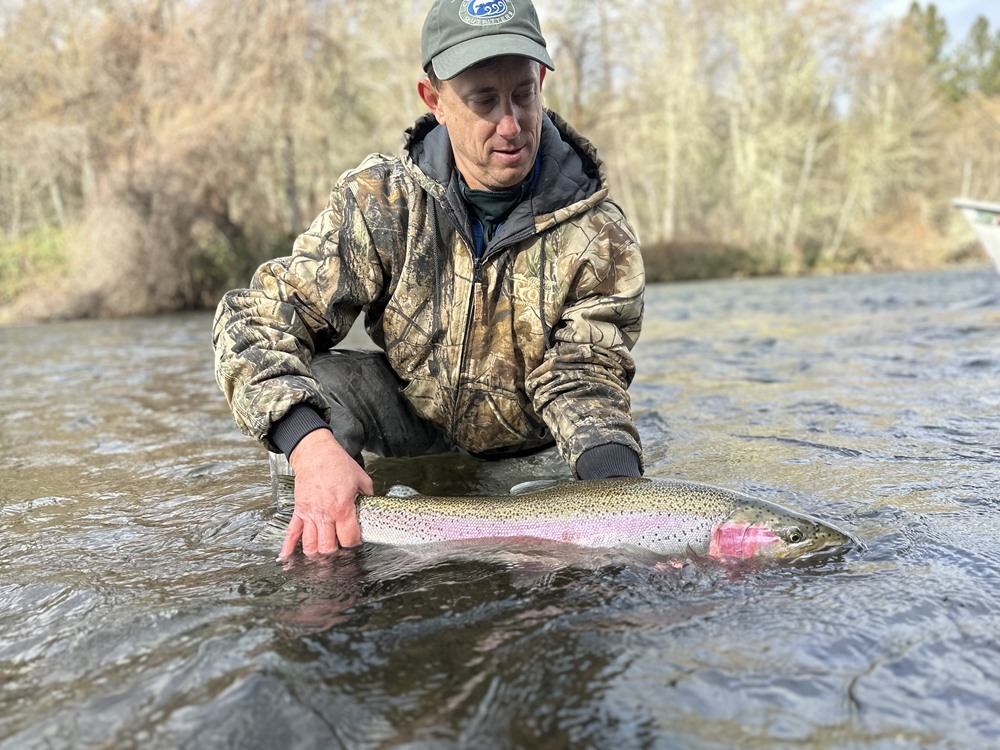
x,y
508,126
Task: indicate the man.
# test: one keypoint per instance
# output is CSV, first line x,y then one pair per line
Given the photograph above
x,y
502,285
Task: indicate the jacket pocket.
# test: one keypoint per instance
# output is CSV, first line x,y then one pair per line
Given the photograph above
x,y
490,420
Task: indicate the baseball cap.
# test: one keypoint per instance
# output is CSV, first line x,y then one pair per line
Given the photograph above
x,y
457,34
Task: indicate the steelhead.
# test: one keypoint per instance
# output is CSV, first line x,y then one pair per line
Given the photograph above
x,y
666,517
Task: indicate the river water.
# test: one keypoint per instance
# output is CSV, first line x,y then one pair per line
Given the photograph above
x,y
141,604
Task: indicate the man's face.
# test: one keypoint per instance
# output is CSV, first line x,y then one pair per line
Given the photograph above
x,y
494,118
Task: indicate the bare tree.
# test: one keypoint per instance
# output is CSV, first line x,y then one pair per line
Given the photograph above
x,y
167,147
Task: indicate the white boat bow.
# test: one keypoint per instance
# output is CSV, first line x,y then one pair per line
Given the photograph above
x,y
984,218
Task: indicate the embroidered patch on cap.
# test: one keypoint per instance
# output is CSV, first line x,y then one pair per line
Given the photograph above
x,y
486,12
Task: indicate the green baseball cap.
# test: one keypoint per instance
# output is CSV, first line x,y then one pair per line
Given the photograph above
x,y
457,34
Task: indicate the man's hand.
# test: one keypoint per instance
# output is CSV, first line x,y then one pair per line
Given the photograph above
x,y
327,481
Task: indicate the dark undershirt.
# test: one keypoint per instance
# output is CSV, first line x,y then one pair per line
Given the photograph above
x,y
493,206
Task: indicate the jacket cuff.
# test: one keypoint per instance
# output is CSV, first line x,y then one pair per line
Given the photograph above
x,y
300,420
609,460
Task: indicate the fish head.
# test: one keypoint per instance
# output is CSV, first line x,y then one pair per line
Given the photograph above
x,y
760,531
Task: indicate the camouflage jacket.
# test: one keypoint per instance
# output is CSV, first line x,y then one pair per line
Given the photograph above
x,y
528,343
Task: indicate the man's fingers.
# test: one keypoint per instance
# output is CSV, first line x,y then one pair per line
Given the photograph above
x,y
327,536
292,535
348,531
319,538
366,486
310,538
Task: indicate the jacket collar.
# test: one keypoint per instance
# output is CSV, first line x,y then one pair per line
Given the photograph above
x,y
570,173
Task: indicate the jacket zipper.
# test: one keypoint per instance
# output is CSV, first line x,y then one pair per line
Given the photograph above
x,y
478,288
477,303
471,319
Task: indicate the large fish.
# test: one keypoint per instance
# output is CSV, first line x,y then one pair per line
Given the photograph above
x,y
666,517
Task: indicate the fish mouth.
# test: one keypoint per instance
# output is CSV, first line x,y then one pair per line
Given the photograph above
x,y
833,548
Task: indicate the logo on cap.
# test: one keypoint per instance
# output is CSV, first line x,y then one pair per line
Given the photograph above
x,y
486,12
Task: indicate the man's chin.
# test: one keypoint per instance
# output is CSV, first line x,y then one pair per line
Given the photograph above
x,y
507,178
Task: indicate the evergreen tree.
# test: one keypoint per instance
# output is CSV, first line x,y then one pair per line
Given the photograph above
x,y
980,57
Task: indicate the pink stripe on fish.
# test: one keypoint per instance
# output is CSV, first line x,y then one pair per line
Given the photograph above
x,y
618,527
739,540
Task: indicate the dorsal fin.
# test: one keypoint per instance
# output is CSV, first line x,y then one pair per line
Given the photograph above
x,y
401,490
533,486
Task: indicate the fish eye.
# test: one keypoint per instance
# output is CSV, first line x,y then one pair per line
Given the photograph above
x,y
795,536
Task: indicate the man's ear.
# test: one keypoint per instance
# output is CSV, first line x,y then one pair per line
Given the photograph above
x,y
542,70
430,97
